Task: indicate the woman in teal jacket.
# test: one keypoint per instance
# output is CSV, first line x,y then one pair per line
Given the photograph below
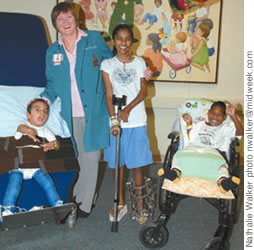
x,y
73,74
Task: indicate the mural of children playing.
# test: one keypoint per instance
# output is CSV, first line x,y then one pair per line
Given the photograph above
x,y
152,55
153,17
200,57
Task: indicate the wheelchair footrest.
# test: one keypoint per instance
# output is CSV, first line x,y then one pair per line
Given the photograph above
x,y
41,216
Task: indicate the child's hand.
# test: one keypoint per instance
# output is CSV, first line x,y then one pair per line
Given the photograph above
x,y
54,145
124,114
32,134
230,110
187,118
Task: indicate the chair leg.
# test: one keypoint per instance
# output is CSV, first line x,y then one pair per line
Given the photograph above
x,y
225,228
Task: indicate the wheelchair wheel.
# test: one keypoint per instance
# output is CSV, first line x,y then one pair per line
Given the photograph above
x,y
153,237
217,243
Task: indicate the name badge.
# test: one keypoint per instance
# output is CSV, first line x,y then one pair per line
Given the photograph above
x,y
57,58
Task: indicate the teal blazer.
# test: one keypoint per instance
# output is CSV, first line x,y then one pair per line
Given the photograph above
x,y
91,50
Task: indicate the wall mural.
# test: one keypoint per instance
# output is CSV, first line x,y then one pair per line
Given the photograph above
x,y
178,39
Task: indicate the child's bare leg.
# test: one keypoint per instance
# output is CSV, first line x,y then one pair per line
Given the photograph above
x,y
149,26
121,197
208,68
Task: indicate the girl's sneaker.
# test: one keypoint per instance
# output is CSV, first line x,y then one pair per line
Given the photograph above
x,y
122,210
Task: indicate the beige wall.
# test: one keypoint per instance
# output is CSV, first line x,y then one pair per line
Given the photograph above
x,y
164,97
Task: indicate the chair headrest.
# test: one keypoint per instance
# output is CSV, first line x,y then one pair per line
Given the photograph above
x,y
23,48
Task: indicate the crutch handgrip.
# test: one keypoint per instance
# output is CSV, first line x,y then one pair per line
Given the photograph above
x,y
115,132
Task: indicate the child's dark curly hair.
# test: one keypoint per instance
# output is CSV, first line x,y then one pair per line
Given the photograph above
x,y
31,103
219,104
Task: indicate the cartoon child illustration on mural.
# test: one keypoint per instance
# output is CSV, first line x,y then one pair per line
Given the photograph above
x,y
85,5
102,14
152,55
210,41
165,31
123,8
153,17
177,53
178,21
200,57
138,12
196,17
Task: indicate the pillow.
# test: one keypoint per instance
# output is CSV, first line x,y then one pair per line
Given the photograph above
x,y
197,108
13,103
200,162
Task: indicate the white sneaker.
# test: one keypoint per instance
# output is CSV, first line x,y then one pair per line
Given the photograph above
x,y
6,211
122,210
1,218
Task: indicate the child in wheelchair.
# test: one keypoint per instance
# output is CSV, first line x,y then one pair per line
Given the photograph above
x,y
37,115
213,137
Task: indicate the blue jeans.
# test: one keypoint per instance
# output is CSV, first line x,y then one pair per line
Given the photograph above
x,y
15,183
13,189
192,25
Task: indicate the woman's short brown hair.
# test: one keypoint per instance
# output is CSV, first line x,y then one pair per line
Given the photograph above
x,y
62,7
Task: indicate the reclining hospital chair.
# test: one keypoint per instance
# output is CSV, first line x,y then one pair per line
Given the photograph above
x,y
23,46
155,234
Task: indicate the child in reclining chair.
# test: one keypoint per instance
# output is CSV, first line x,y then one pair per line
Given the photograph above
x,y
37,115
213,134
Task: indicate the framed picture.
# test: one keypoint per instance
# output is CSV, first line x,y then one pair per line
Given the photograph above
x,y
177,46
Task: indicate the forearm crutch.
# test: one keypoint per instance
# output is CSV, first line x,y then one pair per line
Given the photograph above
x,y
119,102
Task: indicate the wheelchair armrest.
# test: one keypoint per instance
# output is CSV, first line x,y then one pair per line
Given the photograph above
x,y
234,161
173,135
234,142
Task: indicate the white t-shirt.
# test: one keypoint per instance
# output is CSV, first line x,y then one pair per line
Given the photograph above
x,y
217,137
200,12
157,11
127,83
41,131
179,46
